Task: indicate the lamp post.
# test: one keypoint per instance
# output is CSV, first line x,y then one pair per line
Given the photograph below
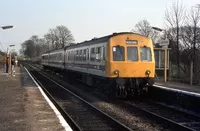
x,y
8,63
164,44
4,28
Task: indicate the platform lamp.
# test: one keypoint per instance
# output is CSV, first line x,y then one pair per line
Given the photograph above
x,y
6,27
156,28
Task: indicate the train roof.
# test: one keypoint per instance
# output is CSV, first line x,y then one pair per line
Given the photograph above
x,y
99,40
93,41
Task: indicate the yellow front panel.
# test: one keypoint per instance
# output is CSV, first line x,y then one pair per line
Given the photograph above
x,y
129,68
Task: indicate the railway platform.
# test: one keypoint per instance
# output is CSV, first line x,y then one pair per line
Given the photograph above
x,y
177,95
179,86
24,107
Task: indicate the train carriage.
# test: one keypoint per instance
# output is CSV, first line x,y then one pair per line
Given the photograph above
x,y
45,60
54,60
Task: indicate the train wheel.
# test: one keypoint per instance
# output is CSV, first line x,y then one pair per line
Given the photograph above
x,y
121,91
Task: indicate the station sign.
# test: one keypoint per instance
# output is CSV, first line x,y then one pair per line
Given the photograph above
x,y
134,42
164,42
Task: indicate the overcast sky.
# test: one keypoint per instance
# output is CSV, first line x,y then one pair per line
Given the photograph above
x,y
84,18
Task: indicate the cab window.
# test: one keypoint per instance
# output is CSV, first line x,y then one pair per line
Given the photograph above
x,y
145,54
118,53
132,53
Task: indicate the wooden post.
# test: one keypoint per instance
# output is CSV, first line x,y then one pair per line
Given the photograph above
x,y
10,62
165,66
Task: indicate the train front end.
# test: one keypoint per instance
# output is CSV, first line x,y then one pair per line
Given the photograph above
x,y
131,63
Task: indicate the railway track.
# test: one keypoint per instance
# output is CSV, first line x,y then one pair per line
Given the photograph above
x,y
80,114
176,119
173,119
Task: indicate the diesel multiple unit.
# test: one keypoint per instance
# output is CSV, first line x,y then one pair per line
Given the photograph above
x,y
121,62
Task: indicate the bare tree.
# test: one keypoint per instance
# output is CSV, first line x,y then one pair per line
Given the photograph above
x,y
59,37
191,38
39,43
143,27
175,17
28,48
65,36
51,38
33,47
34,38
195,20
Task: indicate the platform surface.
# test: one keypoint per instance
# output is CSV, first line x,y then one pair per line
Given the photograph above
x,y
22,106
179,86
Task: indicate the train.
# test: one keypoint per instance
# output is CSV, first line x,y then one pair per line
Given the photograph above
x,y
121,63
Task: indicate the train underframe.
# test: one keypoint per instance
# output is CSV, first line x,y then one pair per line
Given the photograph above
x,y
120,87
132,86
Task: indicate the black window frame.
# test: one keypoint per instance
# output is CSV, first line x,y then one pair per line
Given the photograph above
x,y
121,51
98,52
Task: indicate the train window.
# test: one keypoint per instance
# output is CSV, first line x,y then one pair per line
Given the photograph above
x,y
84,54
98,54
52,56
87,54
80,55
76,55
132,53
72,56
66,58
92,54
104,53
68,55
145,54
118,53
60,56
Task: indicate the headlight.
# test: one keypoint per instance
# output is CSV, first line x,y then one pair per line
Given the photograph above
x,y
148,72
116,72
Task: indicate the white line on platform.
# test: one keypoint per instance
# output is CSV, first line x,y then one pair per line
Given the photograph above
x,y
178,90
60,117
